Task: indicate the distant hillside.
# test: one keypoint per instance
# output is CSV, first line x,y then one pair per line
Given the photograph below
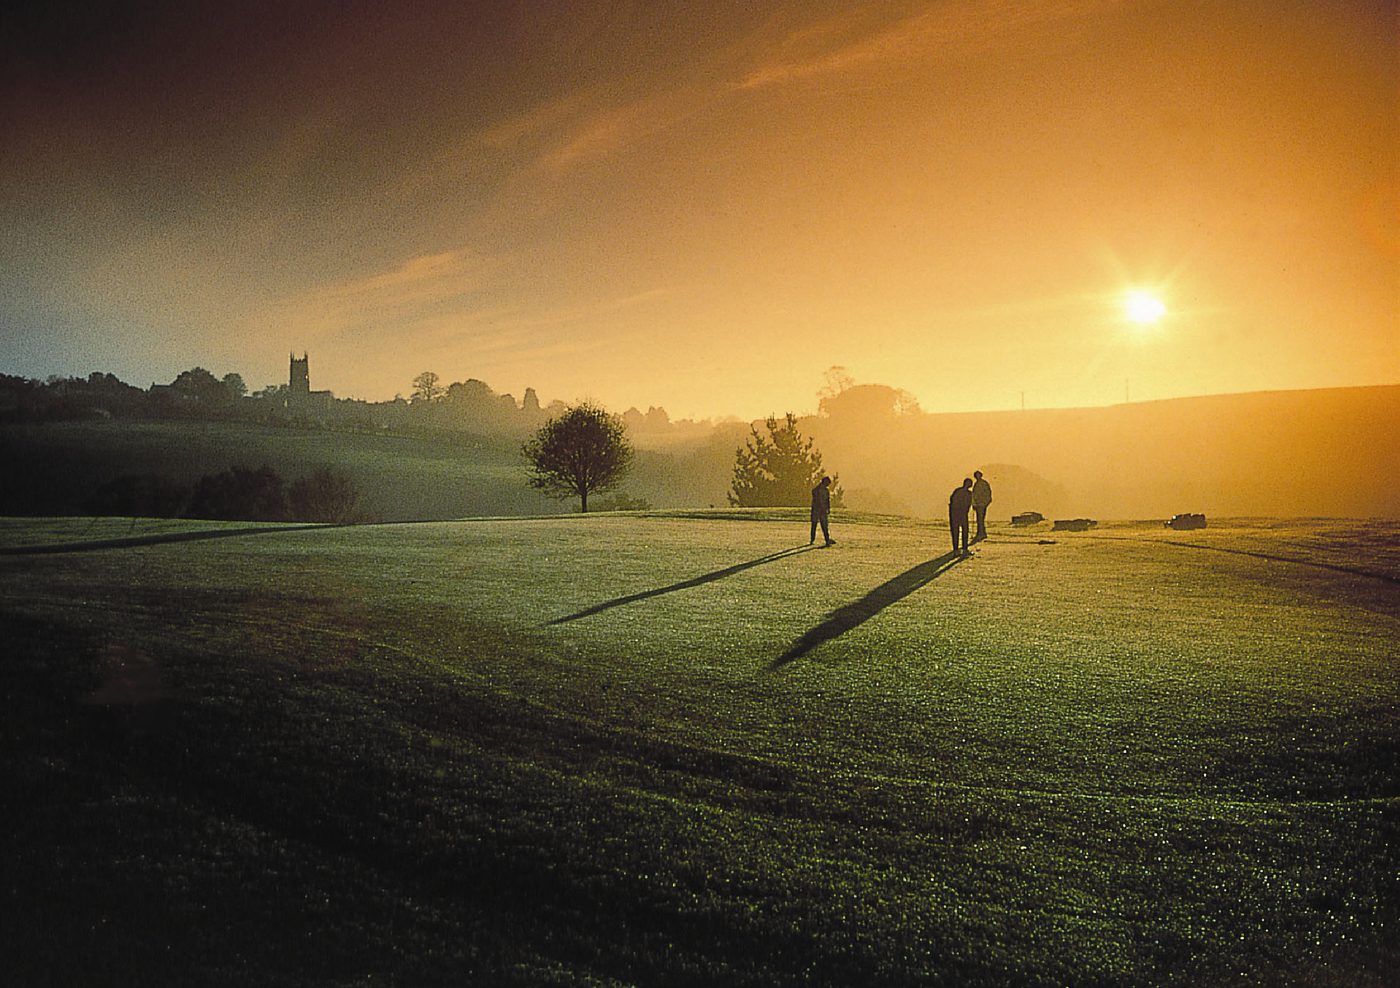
x,y
52,468
1327,453
1333,452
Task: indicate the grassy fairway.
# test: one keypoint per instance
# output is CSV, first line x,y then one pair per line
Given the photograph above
x,y
677,750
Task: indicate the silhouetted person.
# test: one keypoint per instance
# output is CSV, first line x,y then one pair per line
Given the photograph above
x,y
821,511
958,505
981,500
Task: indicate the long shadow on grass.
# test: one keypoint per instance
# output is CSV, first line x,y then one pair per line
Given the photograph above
x,y
155,539
718,574
843,619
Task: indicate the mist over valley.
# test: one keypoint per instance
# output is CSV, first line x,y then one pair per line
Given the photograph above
x,y
1311,453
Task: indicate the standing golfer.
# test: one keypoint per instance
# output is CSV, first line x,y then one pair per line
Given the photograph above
x,y
958,505
821,511
981,500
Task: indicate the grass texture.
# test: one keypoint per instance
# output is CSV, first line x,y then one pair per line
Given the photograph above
x,y
689,749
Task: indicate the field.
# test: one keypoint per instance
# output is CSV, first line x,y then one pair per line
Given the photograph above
x,y
674,749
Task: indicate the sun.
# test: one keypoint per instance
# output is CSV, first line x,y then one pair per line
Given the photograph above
x,y
1144,308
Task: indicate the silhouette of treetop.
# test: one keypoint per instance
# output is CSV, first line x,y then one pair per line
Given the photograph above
x,y
779,469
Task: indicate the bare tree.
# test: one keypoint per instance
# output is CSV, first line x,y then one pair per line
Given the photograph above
x,y
582,451
836,380
426,388
325,496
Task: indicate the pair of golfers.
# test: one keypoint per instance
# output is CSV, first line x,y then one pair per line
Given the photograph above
x,y
975,495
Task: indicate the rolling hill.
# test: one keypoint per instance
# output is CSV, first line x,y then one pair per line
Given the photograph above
x,y
1318,453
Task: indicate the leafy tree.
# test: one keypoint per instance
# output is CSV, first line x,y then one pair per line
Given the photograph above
x,y
426,388
473,406
200,385
778,470
581,451
326,496
871,404
235,385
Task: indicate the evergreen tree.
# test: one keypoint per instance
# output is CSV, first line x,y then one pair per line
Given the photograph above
x,y
779,469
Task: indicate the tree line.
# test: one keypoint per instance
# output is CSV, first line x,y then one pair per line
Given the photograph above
x,y
240,493
199,395
193,393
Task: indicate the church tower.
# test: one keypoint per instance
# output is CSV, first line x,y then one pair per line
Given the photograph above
x,y
299,384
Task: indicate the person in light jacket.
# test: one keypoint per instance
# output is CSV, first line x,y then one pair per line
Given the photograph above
x,y
981,500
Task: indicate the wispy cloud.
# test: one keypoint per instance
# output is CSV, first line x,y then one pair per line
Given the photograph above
x,y
589,125
518,327
404,299
547,143
529,125
418,281
563,134
848,44
440,303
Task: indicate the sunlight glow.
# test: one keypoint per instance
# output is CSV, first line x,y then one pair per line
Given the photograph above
x,y
1145,308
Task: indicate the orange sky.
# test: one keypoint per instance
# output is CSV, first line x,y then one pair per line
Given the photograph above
x,y
704,206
